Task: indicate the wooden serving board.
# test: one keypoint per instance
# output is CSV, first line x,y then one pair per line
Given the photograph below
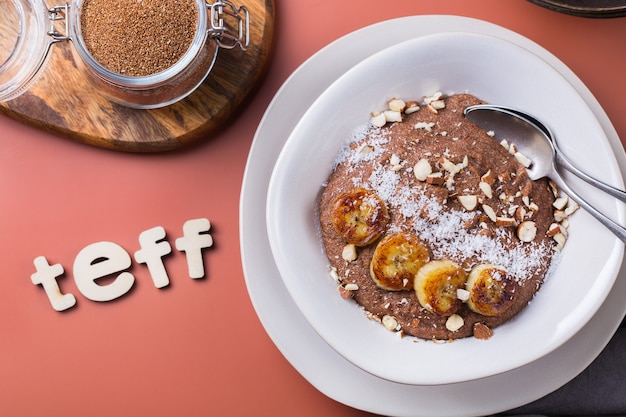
x,y
63,102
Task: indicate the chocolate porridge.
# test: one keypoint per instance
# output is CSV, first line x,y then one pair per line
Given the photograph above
x,y
433,226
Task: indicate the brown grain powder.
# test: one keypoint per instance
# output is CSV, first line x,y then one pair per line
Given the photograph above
x,y
138,37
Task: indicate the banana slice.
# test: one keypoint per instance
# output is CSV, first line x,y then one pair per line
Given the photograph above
x,y
436,285
396,260
491,289
360,216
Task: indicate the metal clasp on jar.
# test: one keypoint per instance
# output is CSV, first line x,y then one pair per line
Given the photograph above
x,y
226,38
55,14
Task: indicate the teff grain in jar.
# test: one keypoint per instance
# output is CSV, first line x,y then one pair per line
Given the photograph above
x,y
138,37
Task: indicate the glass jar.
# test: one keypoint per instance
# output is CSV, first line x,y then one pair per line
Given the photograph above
x,y
29,29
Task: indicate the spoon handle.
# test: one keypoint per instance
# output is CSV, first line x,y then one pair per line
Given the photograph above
x,y
617,229
609,189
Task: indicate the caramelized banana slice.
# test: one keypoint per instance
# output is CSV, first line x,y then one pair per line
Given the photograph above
x,y
396,260
491,289
360,216
436,285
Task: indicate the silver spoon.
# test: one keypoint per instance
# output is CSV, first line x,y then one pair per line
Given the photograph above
x,y
534,143
534,123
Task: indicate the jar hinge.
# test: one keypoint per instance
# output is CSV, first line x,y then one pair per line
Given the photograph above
x,y
222,10
55,14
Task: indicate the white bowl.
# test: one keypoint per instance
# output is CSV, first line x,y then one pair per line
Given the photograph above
x,y
496,71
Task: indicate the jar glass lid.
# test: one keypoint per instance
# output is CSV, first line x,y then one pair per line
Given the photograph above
x,y
24,45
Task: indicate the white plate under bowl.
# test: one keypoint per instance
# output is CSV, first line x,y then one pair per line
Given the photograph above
x,y
496,71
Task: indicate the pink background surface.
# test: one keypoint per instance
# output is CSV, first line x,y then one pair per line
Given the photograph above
x,y
195,348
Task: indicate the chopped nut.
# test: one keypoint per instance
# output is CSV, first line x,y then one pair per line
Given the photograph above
x,y
449,166
527,231
397,105
469,202
553,229
486,189
505,221
425,125
559,215
352,287
438,104
520,213
571,208
482,332
488,177
435,178
390,323
392,116
349,252
462,294
560,239
450,183
554,188
378,120
411,107
422,169
504,177
454,322
560,203
434,97
522,159
490,213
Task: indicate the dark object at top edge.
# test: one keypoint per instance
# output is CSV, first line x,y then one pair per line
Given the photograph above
x,y
586,8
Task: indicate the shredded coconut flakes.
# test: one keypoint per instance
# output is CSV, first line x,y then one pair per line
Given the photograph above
x,y
442,229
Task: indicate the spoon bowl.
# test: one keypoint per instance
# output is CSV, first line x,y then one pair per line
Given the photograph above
x,y
530,141
530,131
537,144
